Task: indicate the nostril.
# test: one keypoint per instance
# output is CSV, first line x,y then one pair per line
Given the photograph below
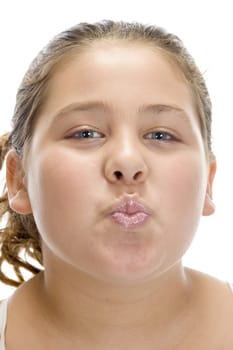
x,y
118,175
137,175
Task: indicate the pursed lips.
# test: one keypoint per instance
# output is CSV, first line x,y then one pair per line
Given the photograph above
x,y
130,214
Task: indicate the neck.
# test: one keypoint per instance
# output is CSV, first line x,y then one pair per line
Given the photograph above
x,y
103,311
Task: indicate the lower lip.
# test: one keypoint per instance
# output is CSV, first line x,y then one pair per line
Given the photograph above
x,y
130,221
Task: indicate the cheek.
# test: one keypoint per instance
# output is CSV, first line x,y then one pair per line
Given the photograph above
x,y
60,187
184,180
182,199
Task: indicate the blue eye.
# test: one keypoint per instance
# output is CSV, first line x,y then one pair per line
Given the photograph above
x,y
160,136
86,134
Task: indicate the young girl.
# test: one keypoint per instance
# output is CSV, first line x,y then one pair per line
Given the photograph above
x,y
109,168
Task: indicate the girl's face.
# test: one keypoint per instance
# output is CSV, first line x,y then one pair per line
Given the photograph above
x,y
116,175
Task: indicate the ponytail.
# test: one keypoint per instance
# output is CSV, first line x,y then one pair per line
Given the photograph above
x,y
19,237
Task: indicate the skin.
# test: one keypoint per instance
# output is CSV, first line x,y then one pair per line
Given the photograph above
x,y
132,278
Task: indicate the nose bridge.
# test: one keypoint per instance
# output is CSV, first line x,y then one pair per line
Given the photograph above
x,y
126,144
126,159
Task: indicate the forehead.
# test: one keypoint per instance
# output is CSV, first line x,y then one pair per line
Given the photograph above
x,y
125,74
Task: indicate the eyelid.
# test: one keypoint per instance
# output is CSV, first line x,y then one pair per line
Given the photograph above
x,y
73,134
80,130
172,135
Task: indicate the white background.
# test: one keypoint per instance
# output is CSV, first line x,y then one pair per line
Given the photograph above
x,y
206,27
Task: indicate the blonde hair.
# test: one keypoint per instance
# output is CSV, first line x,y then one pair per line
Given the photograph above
x,y
19,233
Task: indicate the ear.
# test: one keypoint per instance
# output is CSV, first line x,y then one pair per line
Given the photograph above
x,y
15,182
209,206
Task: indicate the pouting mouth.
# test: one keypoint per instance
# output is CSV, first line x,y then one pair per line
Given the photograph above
x,y
130,207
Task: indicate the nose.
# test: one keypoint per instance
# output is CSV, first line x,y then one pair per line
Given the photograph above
x,y
125,164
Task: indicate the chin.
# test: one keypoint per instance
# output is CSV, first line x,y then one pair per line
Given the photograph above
x,y
131,271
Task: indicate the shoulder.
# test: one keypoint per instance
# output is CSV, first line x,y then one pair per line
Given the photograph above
x,y
209,282
215,308
215,292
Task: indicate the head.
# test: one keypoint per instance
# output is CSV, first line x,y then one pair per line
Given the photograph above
x,y
79,47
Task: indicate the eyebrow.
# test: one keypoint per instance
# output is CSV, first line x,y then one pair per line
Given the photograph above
x,y
83,107
106,107
161,108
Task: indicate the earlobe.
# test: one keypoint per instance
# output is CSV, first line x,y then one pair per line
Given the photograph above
x,y
17,191
209,207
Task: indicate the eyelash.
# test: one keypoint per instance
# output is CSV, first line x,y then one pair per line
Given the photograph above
x,y
85,132
160,135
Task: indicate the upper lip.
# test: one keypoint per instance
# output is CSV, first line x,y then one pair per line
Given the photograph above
x,y
130,207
